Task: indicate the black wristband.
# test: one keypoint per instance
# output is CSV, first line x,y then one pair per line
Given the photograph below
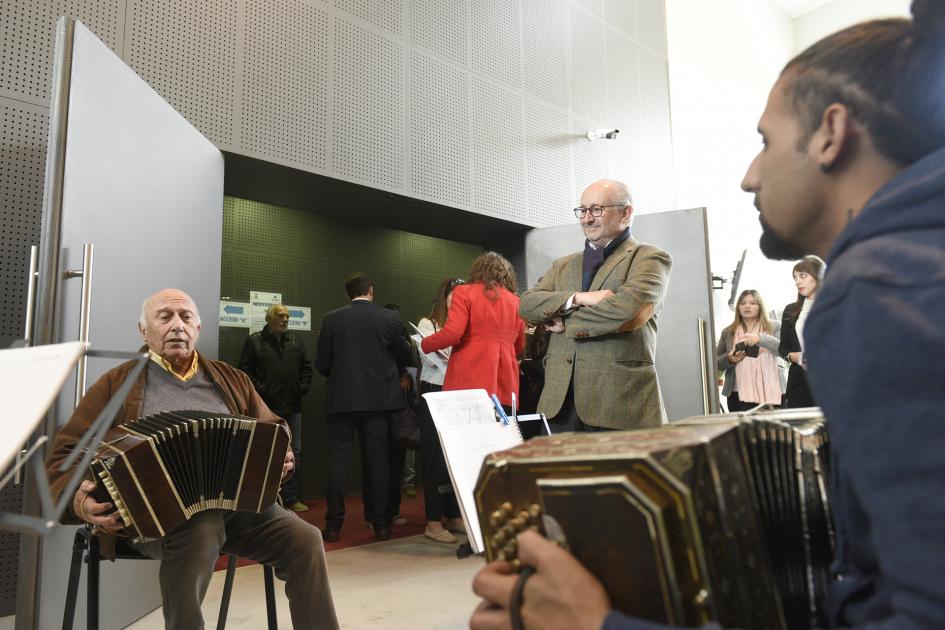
x,y
517,599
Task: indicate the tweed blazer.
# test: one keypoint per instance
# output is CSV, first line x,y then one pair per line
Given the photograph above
x,y
605,348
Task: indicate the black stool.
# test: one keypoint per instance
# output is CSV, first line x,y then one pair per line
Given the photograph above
x,y
86,544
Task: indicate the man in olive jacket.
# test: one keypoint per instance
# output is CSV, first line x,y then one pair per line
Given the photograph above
x,y
601,306
275,361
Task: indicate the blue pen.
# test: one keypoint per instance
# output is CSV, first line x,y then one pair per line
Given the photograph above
x,y
499,409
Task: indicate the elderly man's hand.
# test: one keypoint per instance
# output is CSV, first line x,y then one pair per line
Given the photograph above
x,y
561,593
590,298
289,462
93,512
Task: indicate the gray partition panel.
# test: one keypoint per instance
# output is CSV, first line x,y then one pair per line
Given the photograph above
x,y
146,188
679,363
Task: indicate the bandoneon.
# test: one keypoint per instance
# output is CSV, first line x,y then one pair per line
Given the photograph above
x,y
715,518
162,469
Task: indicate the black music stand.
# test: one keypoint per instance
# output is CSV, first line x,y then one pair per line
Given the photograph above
x,y
30,379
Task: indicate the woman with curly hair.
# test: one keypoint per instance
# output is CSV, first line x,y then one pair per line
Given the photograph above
x,y
484,330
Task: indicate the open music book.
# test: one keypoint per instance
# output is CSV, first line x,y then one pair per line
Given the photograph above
x,y
466,423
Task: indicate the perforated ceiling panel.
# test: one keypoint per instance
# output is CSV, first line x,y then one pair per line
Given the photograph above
x,y
591,159
546,50
620,14
498,151
23,130
439,132
26,39
387,14
440,26
187,52
588,79
286,65
623,85
651,18
548,155
495,35
368,108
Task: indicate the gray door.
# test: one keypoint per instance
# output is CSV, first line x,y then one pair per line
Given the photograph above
x,y
685,349
146,189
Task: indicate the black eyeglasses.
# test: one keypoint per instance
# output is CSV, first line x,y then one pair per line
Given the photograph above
x,y
595,210
455,282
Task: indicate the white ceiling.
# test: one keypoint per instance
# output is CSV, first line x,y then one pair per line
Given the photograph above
x,y
797,8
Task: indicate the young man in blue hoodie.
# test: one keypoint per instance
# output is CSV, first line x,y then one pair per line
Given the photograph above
x,y
853,170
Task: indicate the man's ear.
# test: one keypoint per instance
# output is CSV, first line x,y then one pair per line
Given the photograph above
x,y
141,331
834,140
627,214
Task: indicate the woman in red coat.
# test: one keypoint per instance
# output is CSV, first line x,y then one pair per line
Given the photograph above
x,y
485,331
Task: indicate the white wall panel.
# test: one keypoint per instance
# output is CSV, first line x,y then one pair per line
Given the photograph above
x,y
594,6
623,85
622,15
368,107
285,61
545,28
548,155
386,14
651,21
495,39
438,111
440,26
187,52
588,75
657,133
498,151
591,159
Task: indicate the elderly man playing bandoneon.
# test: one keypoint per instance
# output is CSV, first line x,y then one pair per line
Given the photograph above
x,y
179,378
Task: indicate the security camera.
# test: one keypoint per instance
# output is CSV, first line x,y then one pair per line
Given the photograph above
x,y
600,134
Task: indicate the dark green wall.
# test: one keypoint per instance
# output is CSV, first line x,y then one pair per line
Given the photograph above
x,y
306,257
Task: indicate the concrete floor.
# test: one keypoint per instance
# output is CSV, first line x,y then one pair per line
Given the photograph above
x,y
410,584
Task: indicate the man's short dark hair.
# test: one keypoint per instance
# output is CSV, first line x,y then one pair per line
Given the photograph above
x,y
358,285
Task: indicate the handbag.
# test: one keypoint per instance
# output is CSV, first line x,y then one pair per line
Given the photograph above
x,y
404,430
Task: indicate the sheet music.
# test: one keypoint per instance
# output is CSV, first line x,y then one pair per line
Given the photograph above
x,y
460,407
435,357
465,421
30,379
465,448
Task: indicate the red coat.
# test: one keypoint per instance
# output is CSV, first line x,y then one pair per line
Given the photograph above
x,y
486,335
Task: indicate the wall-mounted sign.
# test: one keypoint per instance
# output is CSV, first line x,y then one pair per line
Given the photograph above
x,y
234,314
300,317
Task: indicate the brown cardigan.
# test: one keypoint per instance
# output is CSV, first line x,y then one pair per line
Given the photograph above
x,y
234,387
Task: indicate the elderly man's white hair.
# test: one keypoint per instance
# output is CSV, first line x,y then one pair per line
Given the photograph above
x,y
143,317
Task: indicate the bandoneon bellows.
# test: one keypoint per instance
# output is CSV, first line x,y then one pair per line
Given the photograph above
x,y
162,469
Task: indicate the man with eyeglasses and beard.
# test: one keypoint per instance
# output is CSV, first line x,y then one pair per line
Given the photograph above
x,y
601,307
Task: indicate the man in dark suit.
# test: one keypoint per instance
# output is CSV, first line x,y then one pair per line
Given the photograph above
x,y
361,350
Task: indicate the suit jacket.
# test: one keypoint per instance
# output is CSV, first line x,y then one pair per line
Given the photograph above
x,y
608,349
487,336
796,392
362,350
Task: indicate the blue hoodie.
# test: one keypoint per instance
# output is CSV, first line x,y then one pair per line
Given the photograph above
x,y
876,350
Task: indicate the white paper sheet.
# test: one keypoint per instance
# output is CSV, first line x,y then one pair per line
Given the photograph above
x,y
30,379
465,421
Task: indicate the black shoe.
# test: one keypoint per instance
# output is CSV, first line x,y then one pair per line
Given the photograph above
x,y
382,532
331,534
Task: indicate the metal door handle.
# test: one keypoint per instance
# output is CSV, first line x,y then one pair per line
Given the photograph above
x,y
85,311
31,294
703,360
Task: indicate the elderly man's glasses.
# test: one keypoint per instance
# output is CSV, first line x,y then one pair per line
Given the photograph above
x,y
595,210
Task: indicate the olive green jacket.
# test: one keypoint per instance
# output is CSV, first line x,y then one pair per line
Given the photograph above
x,y
608,348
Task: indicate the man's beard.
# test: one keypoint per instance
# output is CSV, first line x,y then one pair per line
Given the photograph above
x,y
775,247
